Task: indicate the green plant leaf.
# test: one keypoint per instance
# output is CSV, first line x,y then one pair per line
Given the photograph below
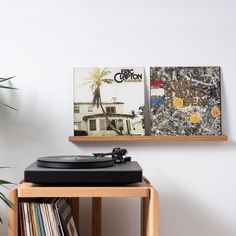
x,y
2,80
9,106
4,182
5,79
7,87
6,201
2,196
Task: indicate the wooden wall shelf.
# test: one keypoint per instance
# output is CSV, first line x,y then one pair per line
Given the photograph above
x,y
76,139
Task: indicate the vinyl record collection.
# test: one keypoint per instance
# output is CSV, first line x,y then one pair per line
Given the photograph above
x,y
49,217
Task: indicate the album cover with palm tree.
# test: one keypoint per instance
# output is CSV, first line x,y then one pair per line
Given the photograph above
x,y
185,100
109,101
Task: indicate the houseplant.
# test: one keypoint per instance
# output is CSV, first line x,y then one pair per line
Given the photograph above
x,y
3,183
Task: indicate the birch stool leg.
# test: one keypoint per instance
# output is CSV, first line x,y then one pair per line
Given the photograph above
x,y
13,214
144,213
96,216
152,213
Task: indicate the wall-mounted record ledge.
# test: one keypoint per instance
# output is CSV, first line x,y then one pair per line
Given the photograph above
x,y
76,139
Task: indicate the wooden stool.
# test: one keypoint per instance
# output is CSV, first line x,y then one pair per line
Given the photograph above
x,y
144,190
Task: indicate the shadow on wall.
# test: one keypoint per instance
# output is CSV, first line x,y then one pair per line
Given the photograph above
x,y
224,108
183,215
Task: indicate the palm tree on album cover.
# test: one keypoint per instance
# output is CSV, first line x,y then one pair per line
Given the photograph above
x,y
96,80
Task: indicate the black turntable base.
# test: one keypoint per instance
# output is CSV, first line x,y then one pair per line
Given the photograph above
x,y
126,173
97,168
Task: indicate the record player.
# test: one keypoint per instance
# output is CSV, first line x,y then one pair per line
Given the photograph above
x,y
99,168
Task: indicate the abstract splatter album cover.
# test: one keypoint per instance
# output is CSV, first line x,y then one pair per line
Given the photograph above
x,y
109,101
185,100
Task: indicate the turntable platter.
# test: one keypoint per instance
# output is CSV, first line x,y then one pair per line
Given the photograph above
x,y
74,162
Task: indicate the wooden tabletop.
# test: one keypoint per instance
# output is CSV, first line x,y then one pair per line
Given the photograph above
x,y
31,190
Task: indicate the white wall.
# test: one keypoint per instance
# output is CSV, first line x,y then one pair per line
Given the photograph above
x,y
40,43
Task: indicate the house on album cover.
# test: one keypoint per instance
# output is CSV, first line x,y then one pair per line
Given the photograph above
x,y
185,100
109,101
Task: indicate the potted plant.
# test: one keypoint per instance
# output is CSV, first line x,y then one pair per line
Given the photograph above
x,y
3,183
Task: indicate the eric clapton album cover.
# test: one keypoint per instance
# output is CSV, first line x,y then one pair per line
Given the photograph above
x,y
109,101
